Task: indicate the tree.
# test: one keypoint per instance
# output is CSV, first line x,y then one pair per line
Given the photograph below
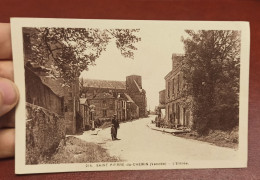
x,y
69,51
211,68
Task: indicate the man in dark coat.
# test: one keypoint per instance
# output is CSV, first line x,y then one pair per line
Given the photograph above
x,y
116,124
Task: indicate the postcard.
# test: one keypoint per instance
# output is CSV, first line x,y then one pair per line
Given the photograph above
x,y
103,95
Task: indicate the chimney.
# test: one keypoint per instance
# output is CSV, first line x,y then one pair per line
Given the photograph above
x,y
176,60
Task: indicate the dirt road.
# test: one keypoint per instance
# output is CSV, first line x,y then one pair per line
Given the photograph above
x,y
140,143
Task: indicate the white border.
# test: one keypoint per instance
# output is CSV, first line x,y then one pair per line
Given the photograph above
x,y
17,46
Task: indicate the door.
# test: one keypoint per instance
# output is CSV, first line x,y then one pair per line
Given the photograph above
x,y
184,117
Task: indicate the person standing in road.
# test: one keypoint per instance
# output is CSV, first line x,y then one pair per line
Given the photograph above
x,y
113,132
116,125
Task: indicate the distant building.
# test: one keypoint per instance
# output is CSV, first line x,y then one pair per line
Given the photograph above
x,y
178,111
162,101
106,105
137,93
126,99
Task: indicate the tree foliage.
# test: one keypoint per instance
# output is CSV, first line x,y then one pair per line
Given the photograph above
x,y
212,68
69,51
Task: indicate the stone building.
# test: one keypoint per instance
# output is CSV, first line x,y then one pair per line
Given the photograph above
x,y
132,110
126,99
137,93
48,93
102,106
106,105
45,124
178,111
42,93
68,95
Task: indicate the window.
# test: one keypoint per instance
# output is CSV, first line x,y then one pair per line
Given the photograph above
x,y
169,116
65,108
169,89
104,103
104,113
62,105
173,113
172,86
178,82
178,113
184,118
77,105
70,106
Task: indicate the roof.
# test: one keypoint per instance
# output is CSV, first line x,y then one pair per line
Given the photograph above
x,y
139,89
108,84
176,64
134,75
54,85
103,95
129,99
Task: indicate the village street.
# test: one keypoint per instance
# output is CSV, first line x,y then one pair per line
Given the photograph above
x,y
140,143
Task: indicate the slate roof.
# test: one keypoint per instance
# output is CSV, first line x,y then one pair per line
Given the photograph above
x,y
139,89
129,99
103,95
108,84
54,85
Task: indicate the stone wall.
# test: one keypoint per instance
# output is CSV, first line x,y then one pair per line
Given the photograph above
x,y
140,101
45,131
133,111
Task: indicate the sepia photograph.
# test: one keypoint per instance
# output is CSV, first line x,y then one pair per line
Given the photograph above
x,y
102,95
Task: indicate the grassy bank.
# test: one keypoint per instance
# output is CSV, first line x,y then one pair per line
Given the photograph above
x,y
217,137
79,151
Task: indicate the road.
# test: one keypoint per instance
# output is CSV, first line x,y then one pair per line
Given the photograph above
x,y
140,143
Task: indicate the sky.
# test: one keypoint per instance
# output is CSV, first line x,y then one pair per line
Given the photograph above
x,y
152,61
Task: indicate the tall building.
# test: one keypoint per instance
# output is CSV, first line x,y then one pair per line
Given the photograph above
x,y
178,111
137,93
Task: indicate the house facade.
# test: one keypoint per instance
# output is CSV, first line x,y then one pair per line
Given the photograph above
x,y
41,93
48,93
106,105
107,98
178,111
